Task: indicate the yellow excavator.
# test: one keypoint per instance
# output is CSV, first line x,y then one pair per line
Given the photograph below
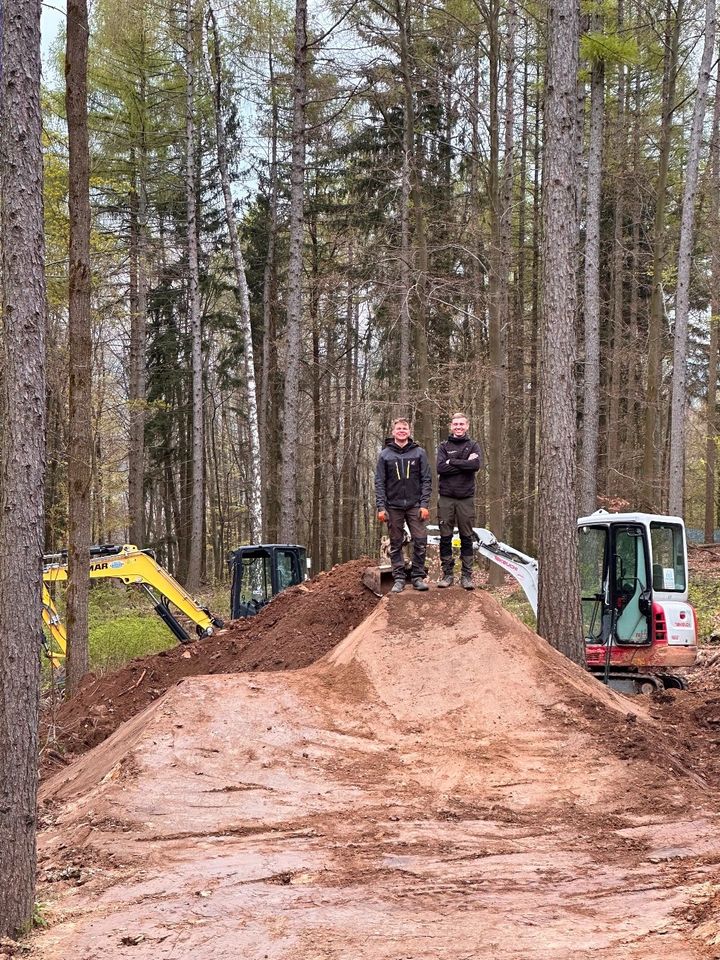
x,y
132,566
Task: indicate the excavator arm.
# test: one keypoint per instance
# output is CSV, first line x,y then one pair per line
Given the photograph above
x,y
134,567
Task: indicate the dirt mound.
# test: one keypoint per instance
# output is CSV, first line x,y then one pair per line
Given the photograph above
x,y
441,784
296,629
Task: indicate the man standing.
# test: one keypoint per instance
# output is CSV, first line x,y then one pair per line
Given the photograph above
x,y
458,460
403,483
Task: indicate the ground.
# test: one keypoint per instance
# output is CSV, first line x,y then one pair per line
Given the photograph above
x,y
434,782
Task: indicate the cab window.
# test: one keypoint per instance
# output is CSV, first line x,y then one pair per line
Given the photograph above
x,y
592,543
668,557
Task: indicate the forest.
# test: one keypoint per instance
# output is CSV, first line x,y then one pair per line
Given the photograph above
x,y
239,238
304,223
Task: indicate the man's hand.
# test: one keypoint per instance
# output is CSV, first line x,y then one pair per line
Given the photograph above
x,y
382,516
473,456
424,513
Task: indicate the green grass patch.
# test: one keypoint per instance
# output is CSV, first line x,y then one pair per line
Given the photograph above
x,y
123,625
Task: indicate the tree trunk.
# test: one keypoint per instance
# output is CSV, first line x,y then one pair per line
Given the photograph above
x,y
656,327
270,392
197,490
618,352
79,347
531,518
591,379
22,455
682,297
501,199
711,441
138,322
423,416
251,401
559,623
293,339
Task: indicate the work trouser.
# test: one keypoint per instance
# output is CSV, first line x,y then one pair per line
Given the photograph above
x,y
461,514
397,518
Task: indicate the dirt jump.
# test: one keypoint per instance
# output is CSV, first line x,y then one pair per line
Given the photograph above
x,y
439,784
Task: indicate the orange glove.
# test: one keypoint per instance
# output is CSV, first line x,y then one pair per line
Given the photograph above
x,y
382,516
424,513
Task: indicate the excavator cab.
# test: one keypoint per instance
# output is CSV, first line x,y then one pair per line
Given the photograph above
x,y
261,571
637,619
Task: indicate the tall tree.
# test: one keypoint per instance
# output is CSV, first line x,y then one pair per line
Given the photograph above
x,y
197,485
714,345
79,345
682,297
251,402
559,622
293,337
22,453
591,380
656,325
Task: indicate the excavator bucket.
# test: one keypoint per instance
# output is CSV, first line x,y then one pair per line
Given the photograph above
x,y
378,579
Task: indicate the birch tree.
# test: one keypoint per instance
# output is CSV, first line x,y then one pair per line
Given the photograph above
x,y
682,296
22,454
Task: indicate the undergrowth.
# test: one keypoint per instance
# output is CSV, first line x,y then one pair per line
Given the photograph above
x,y
123,624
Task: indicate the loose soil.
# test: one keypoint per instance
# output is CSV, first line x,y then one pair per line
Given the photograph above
x,y
440,784
294,630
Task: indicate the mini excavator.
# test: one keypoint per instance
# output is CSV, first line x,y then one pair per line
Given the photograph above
x,y
134,567
638,623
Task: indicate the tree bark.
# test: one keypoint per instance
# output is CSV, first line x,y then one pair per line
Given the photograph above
x,y
138,323
559,622
711,430
197,486
682,296
255,479
270,404
79,346
656,327
501,183
293,339
591,379
22,455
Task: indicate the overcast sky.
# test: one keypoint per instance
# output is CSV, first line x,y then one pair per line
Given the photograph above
x,y
53,16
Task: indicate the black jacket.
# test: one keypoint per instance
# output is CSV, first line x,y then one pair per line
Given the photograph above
x,y
456,472
403,478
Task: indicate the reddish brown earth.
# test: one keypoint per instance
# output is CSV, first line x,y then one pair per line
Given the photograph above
x,y
295,630
441,784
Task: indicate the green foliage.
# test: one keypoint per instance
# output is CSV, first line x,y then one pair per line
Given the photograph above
x,y
610,47
517,604
39,919
705,598
123,624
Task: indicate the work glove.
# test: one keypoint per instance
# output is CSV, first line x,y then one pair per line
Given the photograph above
x,y
424,513
382,516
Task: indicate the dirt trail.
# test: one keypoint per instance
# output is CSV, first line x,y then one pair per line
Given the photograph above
x,y
441,784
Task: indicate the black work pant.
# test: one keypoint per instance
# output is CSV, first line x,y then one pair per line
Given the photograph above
x,y
461,514
397,518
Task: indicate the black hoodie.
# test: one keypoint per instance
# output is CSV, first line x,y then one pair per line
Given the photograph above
x,y
456,472
402,477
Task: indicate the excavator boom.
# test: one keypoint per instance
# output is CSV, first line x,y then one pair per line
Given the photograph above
x,y
131,566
